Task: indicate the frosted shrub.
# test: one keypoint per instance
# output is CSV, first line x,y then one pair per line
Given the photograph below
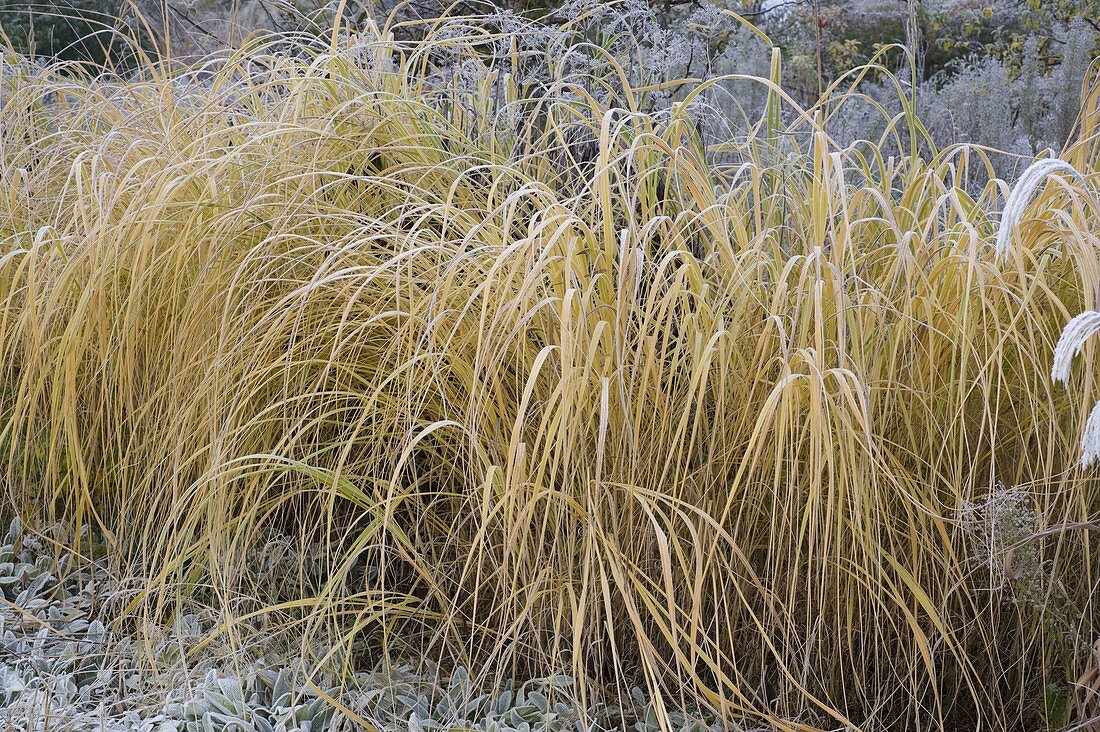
x,y
996,528
1047,104
865,115
981,102
584,49
733,105
975,105
587,43
1065,84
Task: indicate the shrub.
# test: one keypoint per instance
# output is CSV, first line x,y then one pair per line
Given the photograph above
x,y
74,30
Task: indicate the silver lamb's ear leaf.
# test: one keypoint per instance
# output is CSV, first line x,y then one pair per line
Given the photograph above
x,y
560,681
323,712
195,708
474,708
232,690
282,685
15,531
539,700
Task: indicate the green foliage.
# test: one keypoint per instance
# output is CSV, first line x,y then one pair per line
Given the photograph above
x,y
1016,33
71,30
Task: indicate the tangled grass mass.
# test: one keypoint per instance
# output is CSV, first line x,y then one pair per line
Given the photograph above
x,y
451,347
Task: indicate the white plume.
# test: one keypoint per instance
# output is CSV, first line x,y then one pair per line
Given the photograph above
x,y
1021,194
1073,338
1090,441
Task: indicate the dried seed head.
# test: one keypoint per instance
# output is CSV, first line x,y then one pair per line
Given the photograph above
x,y
1090,441
1021,194
1073,338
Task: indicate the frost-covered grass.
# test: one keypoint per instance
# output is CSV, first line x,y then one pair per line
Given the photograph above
x,y
473,344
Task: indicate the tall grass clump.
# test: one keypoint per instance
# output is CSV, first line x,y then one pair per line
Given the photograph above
x,y
549,382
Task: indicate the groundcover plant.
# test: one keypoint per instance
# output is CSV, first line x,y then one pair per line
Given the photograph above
x,y
539,370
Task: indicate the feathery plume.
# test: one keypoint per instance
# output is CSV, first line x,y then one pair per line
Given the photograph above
x,y
1090,440
1073,338
1021,194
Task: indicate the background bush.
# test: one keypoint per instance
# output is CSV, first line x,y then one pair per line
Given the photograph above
x,y
74,30
1001,73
